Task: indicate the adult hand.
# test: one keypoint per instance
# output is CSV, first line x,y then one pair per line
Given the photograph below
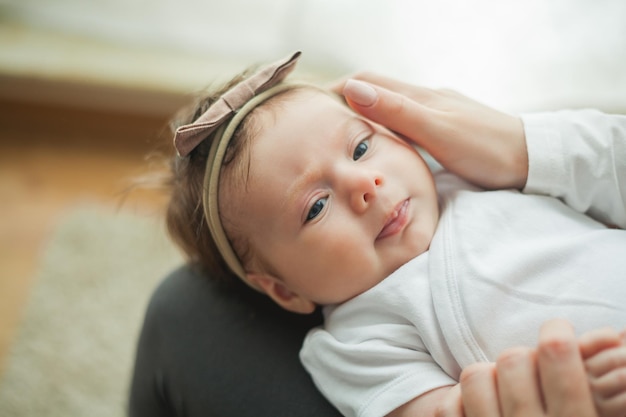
x,y
549,381
478,143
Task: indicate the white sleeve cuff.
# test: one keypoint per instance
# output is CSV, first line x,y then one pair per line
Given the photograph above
x,y
547,172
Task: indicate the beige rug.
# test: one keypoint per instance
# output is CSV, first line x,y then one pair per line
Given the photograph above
x,y
75,348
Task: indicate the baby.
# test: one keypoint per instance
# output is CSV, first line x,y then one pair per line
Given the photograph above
x,y
420,274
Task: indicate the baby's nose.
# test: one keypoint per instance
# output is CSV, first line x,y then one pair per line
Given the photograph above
x,y
364,190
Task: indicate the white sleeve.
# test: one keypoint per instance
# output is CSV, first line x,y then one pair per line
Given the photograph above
x,y
579,157
375,374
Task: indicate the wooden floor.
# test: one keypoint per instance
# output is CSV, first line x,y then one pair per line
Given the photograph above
x,y
51,160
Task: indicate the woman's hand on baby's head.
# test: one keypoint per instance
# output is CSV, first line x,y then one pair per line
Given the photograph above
x,y
478,143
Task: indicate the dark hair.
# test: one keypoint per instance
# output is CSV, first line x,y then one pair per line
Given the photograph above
x,y
185,217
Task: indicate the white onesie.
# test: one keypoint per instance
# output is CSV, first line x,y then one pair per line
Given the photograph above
x,y
500,264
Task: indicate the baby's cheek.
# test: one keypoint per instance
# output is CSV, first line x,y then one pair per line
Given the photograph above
x,y
356,262
347,246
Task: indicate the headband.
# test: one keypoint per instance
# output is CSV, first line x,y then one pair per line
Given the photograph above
x,y
240,101
189,136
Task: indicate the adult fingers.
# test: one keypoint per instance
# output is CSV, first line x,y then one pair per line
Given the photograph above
x,y
518,383
562,373
421,94
479,391
388,108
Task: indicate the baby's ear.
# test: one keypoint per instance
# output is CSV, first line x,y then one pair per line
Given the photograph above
x,y
281,294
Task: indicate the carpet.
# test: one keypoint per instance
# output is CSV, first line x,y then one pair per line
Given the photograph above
x,y
74,351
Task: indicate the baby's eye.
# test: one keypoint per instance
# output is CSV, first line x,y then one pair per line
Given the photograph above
x,y
316,209
360,150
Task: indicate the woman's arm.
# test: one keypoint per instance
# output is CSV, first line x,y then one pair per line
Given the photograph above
x,y
579,156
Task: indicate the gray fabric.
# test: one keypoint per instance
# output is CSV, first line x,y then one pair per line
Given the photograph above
x,y
211,351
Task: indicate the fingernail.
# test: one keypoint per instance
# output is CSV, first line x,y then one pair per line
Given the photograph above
x,y
361,93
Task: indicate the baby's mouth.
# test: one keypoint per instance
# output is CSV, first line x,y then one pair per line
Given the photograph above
x,y
396,220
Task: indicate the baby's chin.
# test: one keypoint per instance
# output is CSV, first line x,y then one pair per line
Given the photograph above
x,y
420,247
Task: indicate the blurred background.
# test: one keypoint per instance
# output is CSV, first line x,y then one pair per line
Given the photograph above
x,y
519,55
87,86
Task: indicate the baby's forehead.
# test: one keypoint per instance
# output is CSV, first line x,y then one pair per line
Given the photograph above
x,y
309,108
302,95
314,108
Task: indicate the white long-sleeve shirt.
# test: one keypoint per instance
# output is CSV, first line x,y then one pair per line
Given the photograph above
x,y
499,265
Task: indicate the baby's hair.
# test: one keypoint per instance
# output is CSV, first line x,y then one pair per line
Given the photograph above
x,y
185,219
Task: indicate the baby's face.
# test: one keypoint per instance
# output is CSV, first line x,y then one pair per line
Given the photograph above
x,y
334,203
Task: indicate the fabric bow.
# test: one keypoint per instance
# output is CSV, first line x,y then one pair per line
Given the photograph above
x,y
187,137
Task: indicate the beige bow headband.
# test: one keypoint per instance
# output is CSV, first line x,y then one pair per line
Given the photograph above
x,y
238,101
